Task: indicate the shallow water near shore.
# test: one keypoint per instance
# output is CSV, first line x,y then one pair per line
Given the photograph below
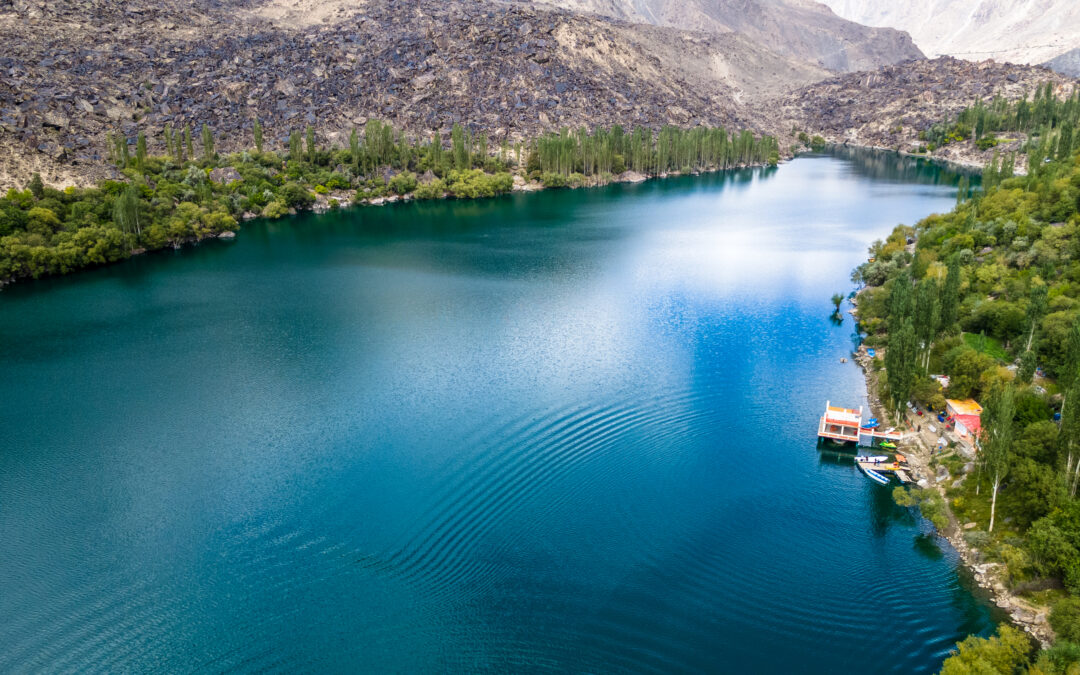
x,y
571,430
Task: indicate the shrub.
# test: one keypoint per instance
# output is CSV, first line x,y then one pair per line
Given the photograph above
x,y
436,189
403,183
553,180
296,196
275,209
1065,619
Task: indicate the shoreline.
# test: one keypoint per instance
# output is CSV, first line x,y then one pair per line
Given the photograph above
x,y
918,449
323,204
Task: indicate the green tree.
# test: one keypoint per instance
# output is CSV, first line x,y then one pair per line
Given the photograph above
x,y
900,365
950,294
188,145
836,300
1003,653
207,142
36,186
354,147
126,210
257,132
140,152
927,318
1065,619
996,440
1036,309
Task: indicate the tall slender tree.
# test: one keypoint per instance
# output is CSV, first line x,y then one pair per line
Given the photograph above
x,y
950,295
257,133
996,440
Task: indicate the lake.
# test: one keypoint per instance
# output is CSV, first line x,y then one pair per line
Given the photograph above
x,y
564,431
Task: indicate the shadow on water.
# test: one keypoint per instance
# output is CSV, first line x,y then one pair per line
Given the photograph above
x,y
884,166
884,512
928,545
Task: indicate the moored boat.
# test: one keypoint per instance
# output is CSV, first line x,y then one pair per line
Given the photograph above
x,y
875,476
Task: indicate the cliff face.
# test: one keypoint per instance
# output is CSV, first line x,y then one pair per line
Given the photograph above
x,y
1033,31
803,30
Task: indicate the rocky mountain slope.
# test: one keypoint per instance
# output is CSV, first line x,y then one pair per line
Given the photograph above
x,y
801,29
888,107
1019,31
1067,63
74,70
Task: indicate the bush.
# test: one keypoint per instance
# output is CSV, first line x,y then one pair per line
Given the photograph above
x,y
296,196
1065,619
553,180
403,183
436,189
275,209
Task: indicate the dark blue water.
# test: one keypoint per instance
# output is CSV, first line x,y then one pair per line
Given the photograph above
x,y
563,431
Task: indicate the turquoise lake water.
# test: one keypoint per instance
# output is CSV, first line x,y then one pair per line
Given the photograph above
x,y
564,431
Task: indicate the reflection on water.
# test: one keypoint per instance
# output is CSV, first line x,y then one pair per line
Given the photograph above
x,y
571,430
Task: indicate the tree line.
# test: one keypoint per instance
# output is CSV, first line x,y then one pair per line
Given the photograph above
x,y
177,187
989,295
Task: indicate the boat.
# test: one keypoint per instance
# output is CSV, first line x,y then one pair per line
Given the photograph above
x,y
875,476
888,444
872,458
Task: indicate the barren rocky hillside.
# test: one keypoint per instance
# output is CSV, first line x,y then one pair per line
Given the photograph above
x,y
77,69
804,30
74,70
888,107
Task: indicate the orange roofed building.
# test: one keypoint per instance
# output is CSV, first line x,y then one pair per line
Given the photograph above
x,y
967,415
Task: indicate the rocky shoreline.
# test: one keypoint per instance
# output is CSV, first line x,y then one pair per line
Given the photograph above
x,y
918,449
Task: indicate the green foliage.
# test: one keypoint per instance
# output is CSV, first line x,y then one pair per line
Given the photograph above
x,y
1065,619
403,183
645,151
257,135
1005,653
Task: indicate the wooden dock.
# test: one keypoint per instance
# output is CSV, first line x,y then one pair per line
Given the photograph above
x,y
887,467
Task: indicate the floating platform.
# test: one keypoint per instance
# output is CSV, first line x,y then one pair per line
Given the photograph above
x,y
845,425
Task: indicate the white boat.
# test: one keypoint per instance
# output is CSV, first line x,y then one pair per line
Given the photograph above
x,y
875,476
872,458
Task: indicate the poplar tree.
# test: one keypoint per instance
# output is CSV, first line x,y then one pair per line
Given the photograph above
x,y
354,147
310,133
950,294
140,152
1069,438
900,364
256,131
927,318
295,146
207,142
997,437
126,210
1035,310
190,147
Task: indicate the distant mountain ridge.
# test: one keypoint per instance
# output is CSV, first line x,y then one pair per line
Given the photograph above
x,y
805,30
1017,31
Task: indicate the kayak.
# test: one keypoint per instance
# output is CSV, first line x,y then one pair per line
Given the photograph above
x,y
888,444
